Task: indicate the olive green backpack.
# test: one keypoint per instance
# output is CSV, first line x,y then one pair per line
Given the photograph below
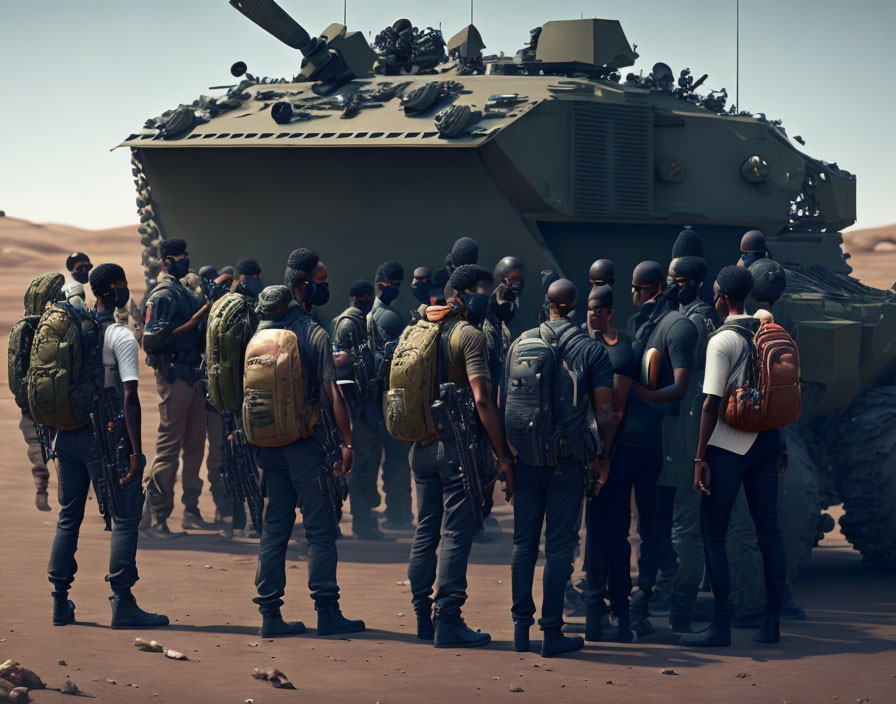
x,y
65,371
231,324
44,289
412,381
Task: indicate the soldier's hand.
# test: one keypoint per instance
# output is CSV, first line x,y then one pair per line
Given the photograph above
x,y
341,358
601,465
505,475
701,477
344,468
136,465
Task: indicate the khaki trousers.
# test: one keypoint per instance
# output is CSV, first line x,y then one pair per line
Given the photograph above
x,y
39,470
182,420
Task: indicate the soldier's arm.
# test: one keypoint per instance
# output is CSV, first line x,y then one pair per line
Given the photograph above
x,y
133,416
473,349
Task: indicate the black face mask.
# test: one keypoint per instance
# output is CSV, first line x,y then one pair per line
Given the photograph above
x,y
179,268
476,305
250,287
513,291
81,274
421,292
503,311
365,305
748,258
122,296
688,293
671,295
320,294
388,294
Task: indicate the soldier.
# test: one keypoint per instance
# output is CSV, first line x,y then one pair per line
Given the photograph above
x,y
464,251
291,473
681,585
728,458
385,326
76,450
602,273
665,345
421,284
608,515
551,495
443,510
510,277
173,344
752,248
356,375
248,278
79,266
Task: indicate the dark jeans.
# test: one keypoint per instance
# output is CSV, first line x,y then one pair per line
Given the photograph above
x,y
608,517
758,472
397,480
291,480
78,466
367,440
444,515
544,498
667,561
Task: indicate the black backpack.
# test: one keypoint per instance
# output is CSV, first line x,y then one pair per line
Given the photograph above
x,y
543,396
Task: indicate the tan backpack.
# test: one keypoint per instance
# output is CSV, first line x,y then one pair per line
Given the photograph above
x,y
275,412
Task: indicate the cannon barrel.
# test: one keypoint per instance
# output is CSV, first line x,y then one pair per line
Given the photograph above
x,y
273,19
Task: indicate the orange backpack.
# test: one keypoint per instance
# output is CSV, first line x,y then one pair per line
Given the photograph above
x,y
770,397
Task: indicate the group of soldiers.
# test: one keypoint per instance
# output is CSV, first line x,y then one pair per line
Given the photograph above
x,y
639,423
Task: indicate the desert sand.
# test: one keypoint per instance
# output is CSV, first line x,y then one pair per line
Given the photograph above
x,y
843,654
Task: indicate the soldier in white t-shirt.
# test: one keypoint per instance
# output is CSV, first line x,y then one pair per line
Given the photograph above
x,y
79,464
728,458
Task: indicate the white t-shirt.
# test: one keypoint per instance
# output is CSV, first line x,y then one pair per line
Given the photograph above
x,y
726,370
120,352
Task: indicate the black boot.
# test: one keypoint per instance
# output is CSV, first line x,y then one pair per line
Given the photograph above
x,y
425,629
63,609
593,628
639,613
521,637
273,626
555,643
771,629
624,632
126,614
680,624
331,622
193,519
452,632
718,635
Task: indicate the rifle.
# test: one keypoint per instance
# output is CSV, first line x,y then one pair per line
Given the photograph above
x,y
333,489
47,442
457,408
240,472
113,453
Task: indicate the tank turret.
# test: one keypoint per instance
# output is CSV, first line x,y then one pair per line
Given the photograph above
x,y
336,56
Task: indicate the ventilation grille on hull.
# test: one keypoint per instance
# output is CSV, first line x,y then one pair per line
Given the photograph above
x,y
612,160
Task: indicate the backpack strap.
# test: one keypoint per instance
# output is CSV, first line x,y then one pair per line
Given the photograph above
x,y
443,358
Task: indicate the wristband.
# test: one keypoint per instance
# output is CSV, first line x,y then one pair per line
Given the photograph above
x,y
506,460
347,445
699,459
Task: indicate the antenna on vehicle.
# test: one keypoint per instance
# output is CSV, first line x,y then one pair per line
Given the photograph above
x,y
344,11
471,11
737,55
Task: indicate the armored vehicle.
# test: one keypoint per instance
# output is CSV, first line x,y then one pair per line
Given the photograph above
x,y
392,151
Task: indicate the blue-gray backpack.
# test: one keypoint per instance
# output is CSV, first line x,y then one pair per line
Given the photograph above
x,y
543,396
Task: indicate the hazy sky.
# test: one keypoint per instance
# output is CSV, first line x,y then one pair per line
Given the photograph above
x,y
79,76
